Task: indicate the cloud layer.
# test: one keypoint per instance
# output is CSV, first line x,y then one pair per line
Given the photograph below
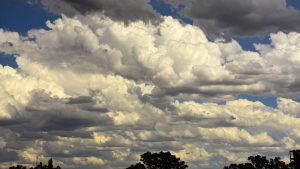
x,y
227,19
95,92
127,10
240,18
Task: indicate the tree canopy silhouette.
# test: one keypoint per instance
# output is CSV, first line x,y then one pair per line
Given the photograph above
x,y
39,166
260,162
162,160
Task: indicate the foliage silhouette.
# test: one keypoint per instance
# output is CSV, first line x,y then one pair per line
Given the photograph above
x,y
137,166
260,162
17,167
39,166
162,160
165,160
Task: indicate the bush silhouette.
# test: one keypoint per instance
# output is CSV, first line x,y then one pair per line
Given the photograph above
x,y
162,160
17,167
260,162
39,166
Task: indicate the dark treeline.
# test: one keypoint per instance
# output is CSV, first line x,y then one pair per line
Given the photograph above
x,y
261,162
162,160
165,160
39,166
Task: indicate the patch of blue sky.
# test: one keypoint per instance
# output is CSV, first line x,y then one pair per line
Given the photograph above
x,y
200,101
294,3
297,99
167,10
20,16
247,43
8,60
270,101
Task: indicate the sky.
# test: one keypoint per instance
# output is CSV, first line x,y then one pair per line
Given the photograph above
x,y
96,83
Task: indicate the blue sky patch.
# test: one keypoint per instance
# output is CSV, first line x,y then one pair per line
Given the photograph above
x,y
19,16
8,60
270,101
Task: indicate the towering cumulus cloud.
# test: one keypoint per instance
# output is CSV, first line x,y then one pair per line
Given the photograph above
x,y
95,93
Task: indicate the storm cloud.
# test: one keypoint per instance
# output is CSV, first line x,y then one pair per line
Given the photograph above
x,y
218,18
125,10
232,18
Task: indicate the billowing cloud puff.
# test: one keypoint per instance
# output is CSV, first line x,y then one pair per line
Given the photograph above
x,y
95,92
173,58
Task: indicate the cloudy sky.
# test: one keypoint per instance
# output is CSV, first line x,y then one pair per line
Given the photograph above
x,y
96,83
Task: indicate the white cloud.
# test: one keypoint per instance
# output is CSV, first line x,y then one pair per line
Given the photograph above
x,y
193,153
91,91
88,161
100,139
2,143
289,107
185,63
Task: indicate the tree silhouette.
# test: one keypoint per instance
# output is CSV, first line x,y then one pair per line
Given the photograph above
x,y
162,160
137,166
17,167
39,166
260,162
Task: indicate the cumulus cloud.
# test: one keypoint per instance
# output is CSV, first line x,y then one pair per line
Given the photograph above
x,y
240,18
173,58
88,161
231,18
92,91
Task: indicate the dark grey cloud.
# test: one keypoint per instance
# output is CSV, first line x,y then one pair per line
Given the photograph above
x,y
218,18
125,10
8,156
64,118
63,114
240,18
